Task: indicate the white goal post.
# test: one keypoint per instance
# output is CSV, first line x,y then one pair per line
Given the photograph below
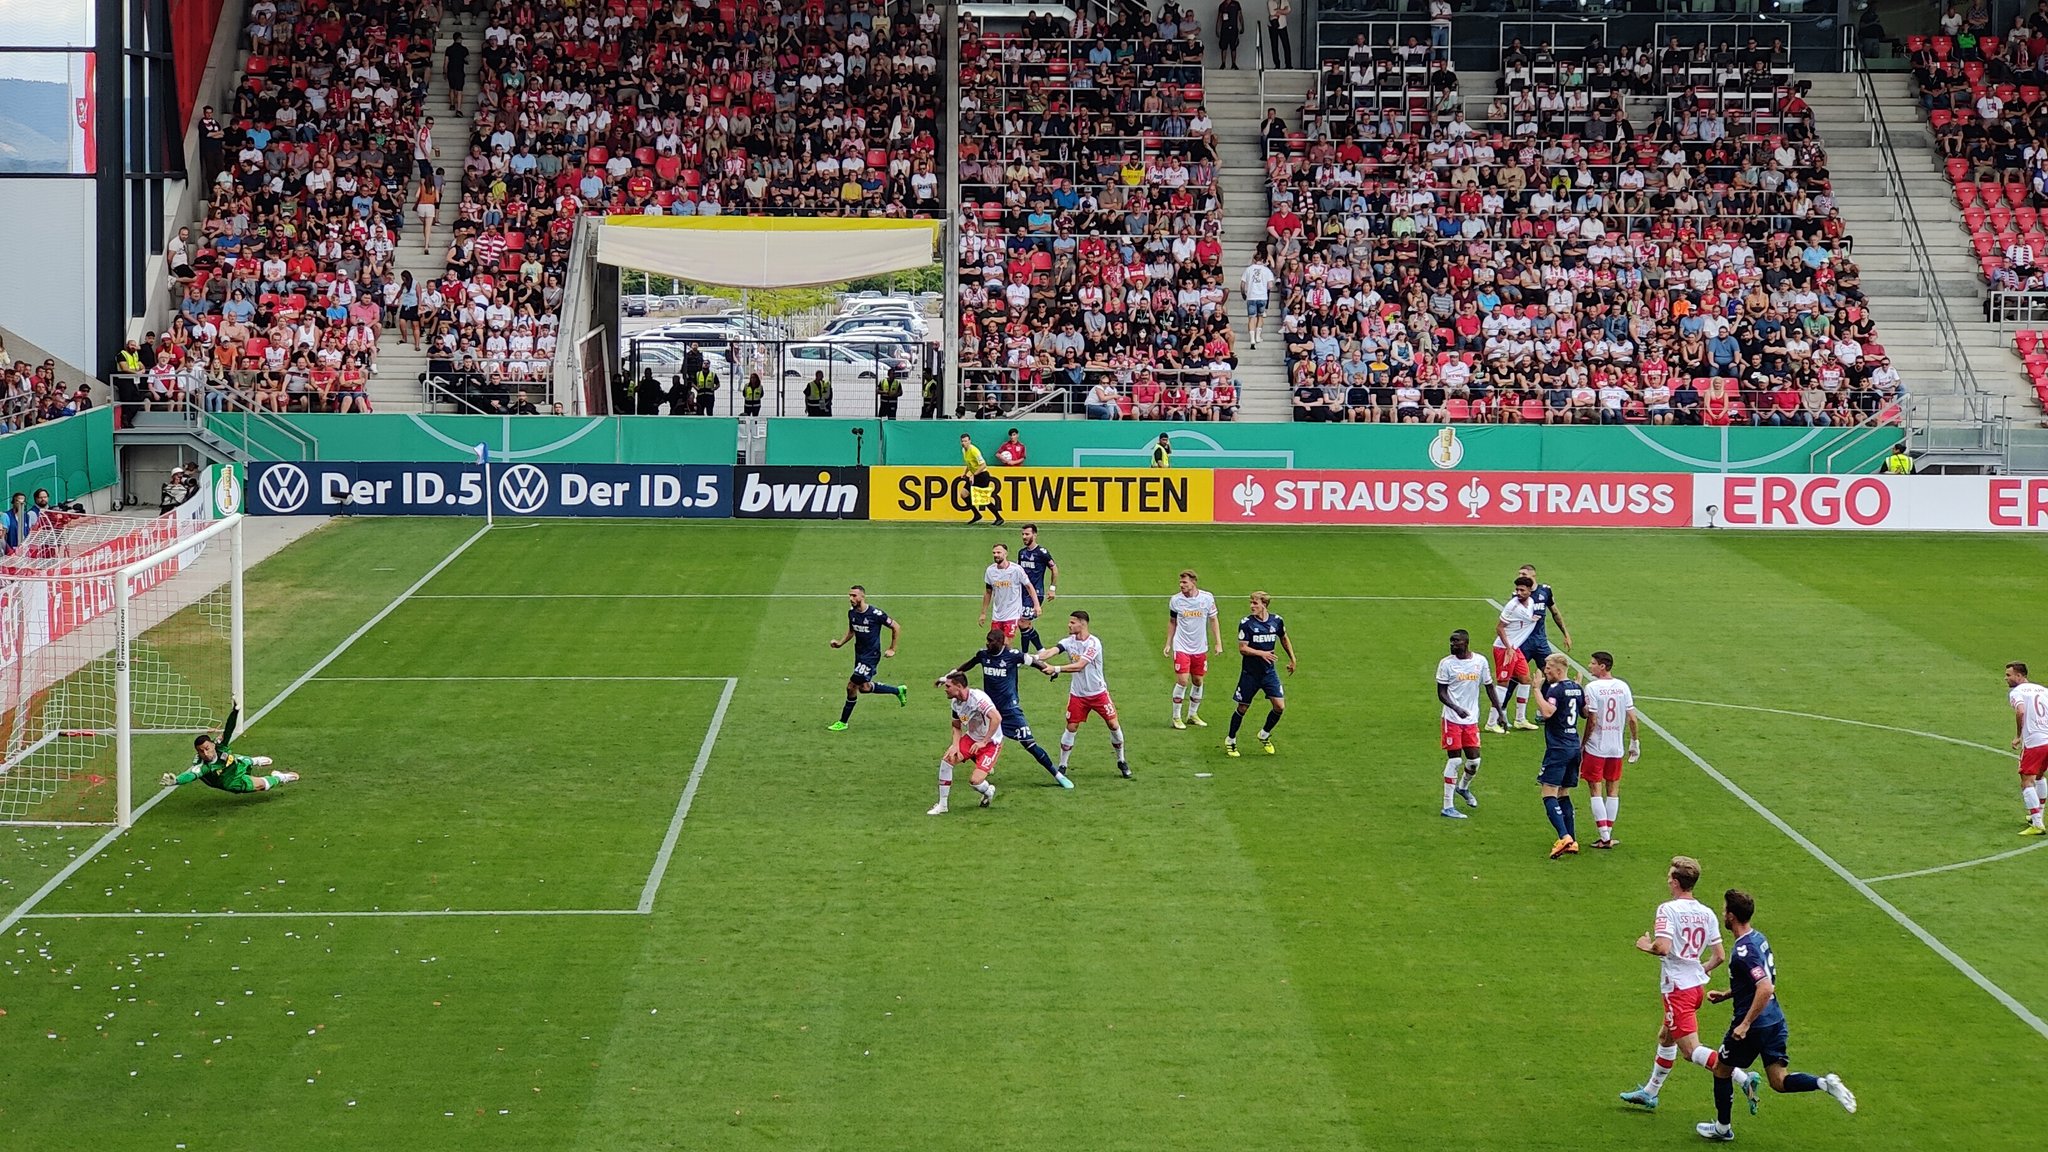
x,y
118,636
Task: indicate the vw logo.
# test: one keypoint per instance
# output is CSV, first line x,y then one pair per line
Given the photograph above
x,y
522,489
283,488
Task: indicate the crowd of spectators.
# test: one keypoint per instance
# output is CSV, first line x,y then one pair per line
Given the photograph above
x,y
1563,257
31,394
1091,259
695,109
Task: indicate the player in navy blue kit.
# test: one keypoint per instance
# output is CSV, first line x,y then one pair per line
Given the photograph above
x,y
1044,575
1560,704
1537,646
1758,1029
864,624
1258,635
1000,667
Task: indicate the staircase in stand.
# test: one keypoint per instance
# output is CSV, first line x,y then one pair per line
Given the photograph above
x,y
1232,98
396,386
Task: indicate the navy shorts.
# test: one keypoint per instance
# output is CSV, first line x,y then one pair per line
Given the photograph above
x,y
1250,684
1031,613
863,670
1766,1042
1537,649
1015,727
1560,769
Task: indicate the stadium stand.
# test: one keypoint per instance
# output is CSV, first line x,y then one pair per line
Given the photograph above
x,y
1986,101
1092,272
1609,235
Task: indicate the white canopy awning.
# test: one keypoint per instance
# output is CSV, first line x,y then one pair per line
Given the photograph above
x,y
765,252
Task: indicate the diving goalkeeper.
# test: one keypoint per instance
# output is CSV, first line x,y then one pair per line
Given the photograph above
x,y
216,765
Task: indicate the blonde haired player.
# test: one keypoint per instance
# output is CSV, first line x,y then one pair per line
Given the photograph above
x,y
1610,709
2030,735
1686,940
1187,611
978,740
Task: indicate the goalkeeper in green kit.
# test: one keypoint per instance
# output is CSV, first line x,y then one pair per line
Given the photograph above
x,y
216,765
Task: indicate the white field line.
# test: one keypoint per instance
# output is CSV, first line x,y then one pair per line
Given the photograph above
x,y
1862,887
1997,856
520,679
1277,596
100,845
675,825
310,915
1961,743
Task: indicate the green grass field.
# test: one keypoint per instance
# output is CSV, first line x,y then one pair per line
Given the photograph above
x,y
1289,952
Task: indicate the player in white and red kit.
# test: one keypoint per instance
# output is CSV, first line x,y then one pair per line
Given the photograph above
x,y
1191,622
1087,689
978,740
1610,736
1004,589
1459,677
1510,666
1687,943
2030,735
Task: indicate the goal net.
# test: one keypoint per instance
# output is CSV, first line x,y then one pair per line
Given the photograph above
x,y
120,638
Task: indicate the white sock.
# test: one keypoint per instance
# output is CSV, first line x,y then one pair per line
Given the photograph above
x,y
1702,1056
1263,733
2032,795
1667,1054
1066,748
1521,703
1600,819
1741,1078
1613,812
1450,788
1178,694
1194,699
1116,742
985,788
945,781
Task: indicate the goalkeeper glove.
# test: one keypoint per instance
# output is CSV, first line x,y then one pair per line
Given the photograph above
x,y
168,780
1635,751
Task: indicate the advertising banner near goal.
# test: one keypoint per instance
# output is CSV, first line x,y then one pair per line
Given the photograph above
x,y
1096,495
319,488
1472,499
1873,503
800,493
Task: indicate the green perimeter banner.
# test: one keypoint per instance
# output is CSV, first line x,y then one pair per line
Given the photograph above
x,y
426,438
1400,447
70,457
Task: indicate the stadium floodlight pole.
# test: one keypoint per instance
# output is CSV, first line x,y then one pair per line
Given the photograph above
x,y
949,236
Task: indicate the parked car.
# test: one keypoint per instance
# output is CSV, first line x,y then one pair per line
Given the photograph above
x,y
636,304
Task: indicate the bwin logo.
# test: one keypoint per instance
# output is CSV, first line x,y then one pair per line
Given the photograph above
x,y
283,488
523,489
822,498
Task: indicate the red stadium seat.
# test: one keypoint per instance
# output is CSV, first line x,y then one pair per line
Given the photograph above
x,y
2026,340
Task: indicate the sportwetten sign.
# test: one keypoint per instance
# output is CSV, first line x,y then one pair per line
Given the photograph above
x,y
1100,495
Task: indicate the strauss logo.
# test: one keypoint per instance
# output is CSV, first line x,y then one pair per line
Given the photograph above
x,y
1249,495
1474,496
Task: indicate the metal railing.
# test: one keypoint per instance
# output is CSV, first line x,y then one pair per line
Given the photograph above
x,y
1954,358
2014,309
225,409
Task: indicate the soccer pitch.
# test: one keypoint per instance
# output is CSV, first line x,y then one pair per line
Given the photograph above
x,y
575,863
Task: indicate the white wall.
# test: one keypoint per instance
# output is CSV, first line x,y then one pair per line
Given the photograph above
x,y
48,267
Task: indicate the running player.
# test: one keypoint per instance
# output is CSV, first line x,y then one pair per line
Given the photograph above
x,y
1044,574
216,765
1758,1028
1005,592
1537,646
864,624
1560,704
977,740
1517,621
1459,677
2030,736
1257,636
1187,611
1610,708
1087,689
1687,944
1000,667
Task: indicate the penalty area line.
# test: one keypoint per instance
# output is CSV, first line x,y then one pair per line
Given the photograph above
x,y
79,861
1861,886
675,825
897,596
382,913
